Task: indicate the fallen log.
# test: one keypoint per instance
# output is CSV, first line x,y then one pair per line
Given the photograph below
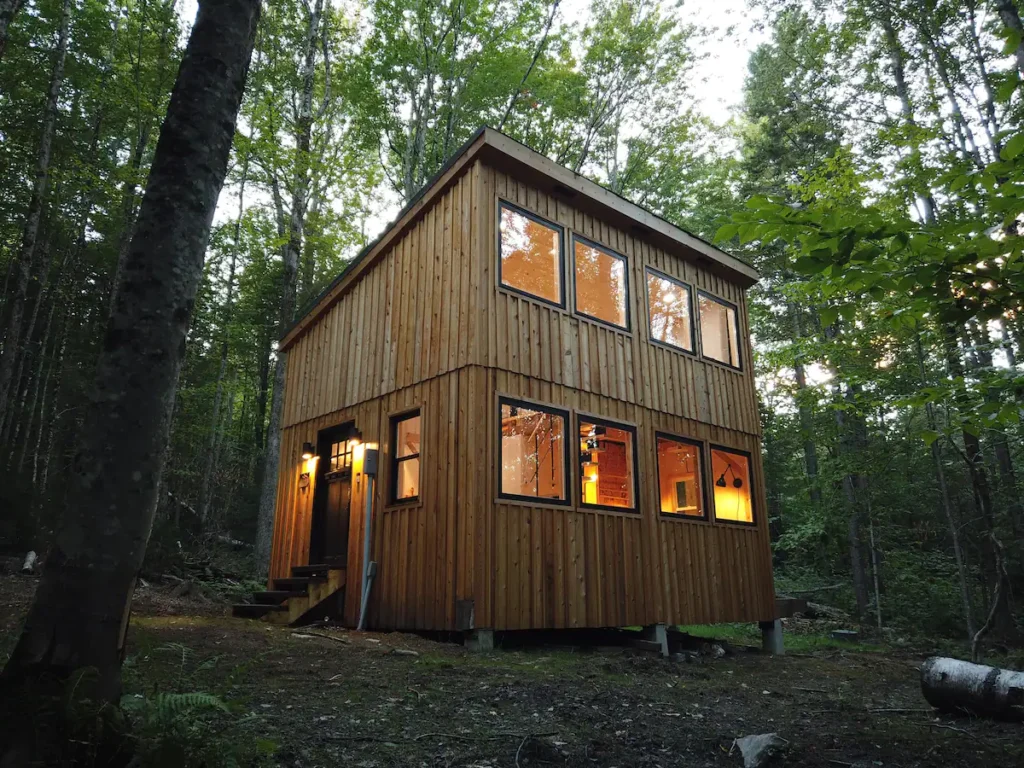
x,y
953,685
31,559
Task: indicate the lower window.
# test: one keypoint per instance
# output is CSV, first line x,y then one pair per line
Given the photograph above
x,y
533,452
405,462
607,475
680,477
733,499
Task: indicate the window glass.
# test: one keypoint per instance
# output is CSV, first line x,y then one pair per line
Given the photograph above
x,y
680,479
532,452
606,465
669,305
600,284
405,467
341,456
732,486
531,255
719,334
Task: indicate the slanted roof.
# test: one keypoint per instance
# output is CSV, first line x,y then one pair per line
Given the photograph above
x,y
518,160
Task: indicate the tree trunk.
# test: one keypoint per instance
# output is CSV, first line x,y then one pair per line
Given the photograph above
x,y
953,685
8,10
290,254
806,417
1011,20
12,346
78,616
205,489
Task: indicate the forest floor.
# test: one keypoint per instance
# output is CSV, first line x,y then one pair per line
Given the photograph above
x,y
325,697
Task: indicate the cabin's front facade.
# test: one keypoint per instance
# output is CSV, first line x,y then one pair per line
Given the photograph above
x,y
559,387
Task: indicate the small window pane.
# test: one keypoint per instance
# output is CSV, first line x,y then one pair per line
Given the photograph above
x,y
732,486
531,256
600,284
408,442
669,304
719,334
606,466
532,452
408,484
680,478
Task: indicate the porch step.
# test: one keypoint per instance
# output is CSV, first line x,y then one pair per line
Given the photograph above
x,y
319,569
255,610
316,594
299,583
276,596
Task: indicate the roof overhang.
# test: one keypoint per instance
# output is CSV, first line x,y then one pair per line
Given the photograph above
x,y
497,149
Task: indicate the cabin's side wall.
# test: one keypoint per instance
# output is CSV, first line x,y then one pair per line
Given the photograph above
x,y
396,335
557,567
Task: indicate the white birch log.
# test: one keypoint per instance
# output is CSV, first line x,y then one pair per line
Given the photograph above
x,y
955,685
31,559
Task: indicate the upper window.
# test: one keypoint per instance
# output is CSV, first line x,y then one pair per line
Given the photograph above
x,y
533,452
405,457
531,255
719,330
601,283
607,474
668,301
680,477
733,500
341,456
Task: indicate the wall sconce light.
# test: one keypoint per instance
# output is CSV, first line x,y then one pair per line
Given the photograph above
x,y
307,450
355,437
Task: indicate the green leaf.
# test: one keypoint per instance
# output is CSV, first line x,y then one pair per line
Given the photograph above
x,y
1013,147
930,436
726,232
828,315
806,265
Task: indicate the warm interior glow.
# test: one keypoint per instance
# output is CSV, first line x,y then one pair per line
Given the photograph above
x,y
731,473
530,256
532,452
719,333
407,458
600,284
669,306
680,478
606,465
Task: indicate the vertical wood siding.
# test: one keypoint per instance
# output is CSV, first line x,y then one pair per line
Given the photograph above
x,y
428,327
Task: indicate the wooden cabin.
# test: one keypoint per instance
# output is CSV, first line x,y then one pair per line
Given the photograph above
x,y
558,389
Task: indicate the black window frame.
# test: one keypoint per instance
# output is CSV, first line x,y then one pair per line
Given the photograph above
x,y
397,460
750,479
575,237
599,421
699,445
739,336
566,467
691,306
561,254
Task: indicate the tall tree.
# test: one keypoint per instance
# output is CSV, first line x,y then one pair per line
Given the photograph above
x,y
79,614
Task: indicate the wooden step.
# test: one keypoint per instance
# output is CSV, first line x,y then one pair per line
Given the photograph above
x,y
276,596
298,583
256,610
318,569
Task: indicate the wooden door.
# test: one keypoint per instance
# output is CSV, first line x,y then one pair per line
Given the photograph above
x,y
332,499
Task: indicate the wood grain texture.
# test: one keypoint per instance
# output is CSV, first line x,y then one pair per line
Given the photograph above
x,y
427,326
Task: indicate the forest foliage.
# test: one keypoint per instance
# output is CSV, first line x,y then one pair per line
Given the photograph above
x,y
873,173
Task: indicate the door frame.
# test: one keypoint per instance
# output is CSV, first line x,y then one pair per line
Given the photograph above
x,y
324,439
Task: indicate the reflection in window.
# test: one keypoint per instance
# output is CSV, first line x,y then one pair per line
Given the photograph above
x,y
680,479
532,452
531,255
600,284
669,305
719,334
406,461
732,486
606,465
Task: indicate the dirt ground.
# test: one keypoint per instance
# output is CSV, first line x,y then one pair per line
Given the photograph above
x,y
373,700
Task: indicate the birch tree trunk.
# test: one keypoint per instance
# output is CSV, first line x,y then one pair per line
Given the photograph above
x,y
13,343
286,313
78,616
953,685
8,10
1011,20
